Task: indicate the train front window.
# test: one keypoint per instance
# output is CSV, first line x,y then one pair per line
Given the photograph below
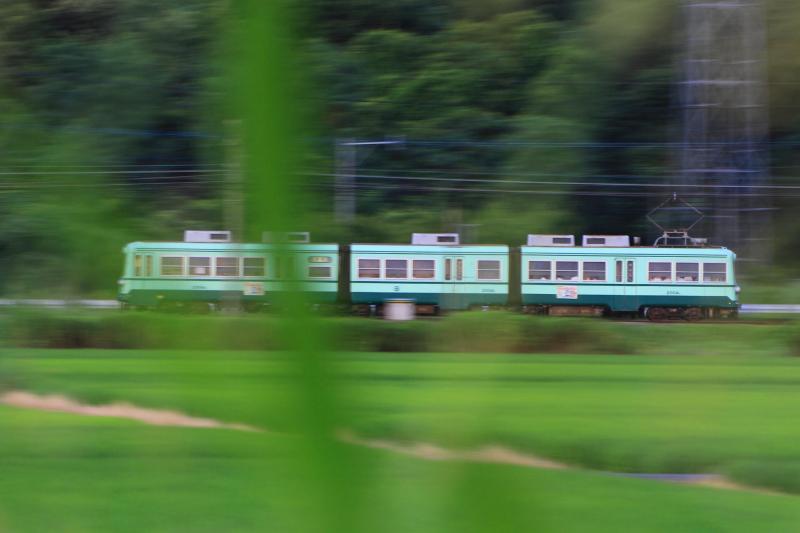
x,y
594,271
172,266
659,272
567,270
687,272
254,267
227,266
714,272
396,268
423,268
369,268
488,269
199,266
542,270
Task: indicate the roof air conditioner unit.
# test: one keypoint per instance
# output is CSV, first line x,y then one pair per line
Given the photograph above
x,y
551,240
206,236
435,238
616,241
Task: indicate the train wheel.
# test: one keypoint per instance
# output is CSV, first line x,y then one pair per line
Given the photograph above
x,y
693,314
657,314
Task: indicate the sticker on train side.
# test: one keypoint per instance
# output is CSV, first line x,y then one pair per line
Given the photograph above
x,y
567,292
253,289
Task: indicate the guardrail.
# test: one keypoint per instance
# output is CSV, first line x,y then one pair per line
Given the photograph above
x,y
754,309
41,302
746,309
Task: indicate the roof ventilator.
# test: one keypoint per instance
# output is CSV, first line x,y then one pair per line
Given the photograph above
x,y
206,236
615,241
551,240
435,238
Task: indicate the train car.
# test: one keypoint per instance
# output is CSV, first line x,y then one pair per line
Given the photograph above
x,y
435,271
208,269
607,275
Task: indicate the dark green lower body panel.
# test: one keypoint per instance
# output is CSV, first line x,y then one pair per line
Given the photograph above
x,y
154,298
443,300
631,303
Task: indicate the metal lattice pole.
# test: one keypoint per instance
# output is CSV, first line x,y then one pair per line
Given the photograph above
x,y
723,98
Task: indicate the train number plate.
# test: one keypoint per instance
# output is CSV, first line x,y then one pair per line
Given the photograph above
x,y
567,292
253,289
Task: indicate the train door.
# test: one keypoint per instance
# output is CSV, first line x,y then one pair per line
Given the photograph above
x,y
453,286
147,271
625,294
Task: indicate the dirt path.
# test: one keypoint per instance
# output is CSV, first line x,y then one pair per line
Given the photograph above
x,y
155,417
429,452
500,455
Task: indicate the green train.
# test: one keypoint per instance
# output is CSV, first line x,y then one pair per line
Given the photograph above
x,y
679,278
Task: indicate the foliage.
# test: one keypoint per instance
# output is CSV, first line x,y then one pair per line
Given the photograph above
x,y
500,103
644,414
479,332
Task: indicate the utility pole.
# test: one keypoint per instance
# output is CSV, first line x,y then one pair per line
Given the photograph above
x,y
345,192
725,122
346,163
233,209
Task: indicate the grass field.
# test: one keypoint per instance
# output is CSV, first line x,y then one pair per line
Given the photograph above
x,y
729,415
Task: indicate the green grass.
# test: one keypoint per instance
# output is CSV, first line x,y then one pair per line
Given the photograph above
x,y
489,332
730,415
778,292
66,473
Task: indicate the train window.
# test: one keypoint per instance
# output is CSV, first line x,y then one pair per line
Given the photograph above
x,y
714,272
630,271
199,266
660,272
567,270
687,272
172,266
619,271
396,268
254,267
227,266
448,264
137,265
423,268
488,269
319,272
369,268
459,269
540,270
594,271
148,265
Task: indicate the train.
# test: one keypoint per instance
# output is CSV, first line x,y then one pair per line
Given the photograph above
x,y
678,277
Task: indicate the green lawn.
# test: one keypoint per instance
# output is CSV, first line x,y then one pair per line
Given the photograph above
x,y
66,473
731,415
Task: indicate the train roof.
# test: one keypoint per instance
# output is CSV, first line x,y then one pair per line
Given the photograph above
x,y
452,249
227,246
632,251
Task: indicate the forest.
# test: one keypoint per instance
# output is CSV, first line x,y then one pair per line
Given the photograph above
x,y
509,117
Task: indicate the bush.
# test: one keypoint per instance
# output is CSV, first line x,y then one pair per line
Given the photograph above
x,y
462,332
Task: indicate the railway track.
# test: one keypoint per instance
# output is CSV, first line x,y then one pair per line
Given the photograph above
x,y
745,310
